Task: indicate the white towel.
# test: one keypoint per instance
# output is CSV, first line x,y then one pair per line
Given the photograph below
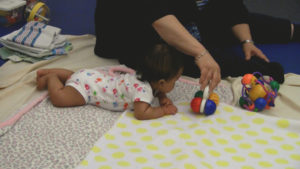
x,y
35,34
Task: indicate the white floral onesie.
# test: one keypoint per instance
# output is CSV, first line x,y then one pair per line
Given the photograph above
x,y
115,93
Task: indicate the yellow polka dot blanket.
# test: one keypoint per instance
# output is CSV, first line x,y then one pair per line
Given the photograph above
x,y
231,138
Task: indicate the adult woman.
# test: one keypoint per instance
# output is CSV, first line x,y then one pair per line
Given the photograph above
x,y
125,29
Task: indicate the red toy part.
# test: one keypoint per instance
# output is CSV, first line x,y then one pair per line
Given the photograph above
x,y
195,104
248,79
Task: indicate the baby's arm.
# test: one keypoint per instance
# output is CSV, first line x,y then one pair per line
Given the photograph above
x,y
144,111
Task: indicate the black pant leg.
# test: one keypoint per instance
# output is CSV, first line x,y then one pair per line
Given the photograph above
x,y
234,65
264,29
267,29
217,18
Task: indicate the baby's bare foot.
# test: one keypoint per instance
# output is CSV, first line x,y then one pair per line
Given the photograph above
x,y
42,72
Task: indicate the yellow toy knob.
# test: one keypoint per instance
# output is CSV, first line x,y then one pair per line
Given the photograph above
x,y
256,92
215,98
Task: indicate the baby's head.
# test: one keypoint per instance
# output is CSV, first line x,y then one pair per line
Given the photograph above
x,y
162,67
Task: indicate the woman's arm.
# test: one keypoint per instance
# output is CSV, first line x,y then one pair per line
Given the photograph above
x,y
174,33
144,111
242,32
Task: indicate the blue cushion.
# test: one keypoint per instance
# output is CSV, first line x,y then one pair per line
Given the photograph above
x,y
286,54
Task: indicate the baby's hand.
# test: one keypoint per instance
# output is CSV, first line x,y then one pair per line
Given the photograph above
x,y
169,109
165,101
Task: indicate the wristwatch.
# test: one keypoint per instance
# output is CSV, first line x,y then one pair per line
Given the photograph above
x,y
247,41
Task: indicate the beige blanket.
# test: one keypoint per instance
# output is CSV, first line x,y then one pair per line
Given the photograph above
x,y
17,80
287,103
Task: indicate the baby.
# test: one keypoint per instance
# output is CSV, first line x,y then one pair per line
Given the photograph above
x,y
162,67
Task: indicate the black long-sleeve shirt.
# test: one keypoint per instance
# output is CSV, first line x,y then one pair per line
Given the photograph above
x,y
124,28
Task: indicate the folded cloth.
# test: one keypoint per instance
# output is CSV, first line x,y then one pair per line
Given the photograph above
x,y
35,34
36,52
37,40
6,53
17,55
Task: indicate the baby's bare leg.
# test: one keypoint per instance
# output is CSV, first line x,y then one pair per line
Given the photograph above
x,y
63,75
61,95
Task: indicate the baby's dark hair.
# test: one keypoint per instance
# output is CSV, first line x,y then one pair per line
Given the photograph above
x,y
161,62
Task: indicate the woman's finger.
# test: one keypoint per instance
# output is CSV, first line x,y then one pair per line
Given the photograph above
x,y
207,80
263,56
215,81
247,55
203,78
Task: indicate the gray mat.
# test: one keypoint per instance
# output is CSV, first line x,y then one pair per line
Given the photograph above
x,y
60,138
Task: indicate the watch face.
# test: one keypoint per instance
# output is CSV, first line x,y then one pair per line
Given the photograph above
x,y
201,3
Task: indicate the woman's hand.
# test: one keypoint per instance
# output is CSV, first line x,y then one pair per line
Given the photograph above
x,y
251,50
210,71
